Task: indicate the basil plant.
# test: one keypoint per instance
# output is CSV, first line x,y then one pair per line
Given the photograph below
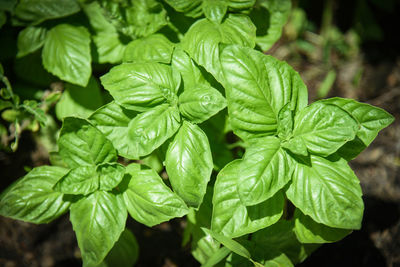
x,y
184,76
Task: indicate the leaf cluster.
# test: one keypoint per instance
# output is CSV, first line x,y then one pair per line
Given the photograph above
x,y
185,74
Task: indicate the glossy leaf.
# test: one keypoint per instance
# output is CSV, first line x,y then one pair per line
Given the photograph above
x,y
82,144
370,120
149,130
141,86
279,261
153,48
215,10
124,253
231,217
137,18
309,231
79,181
189,163
190,8
257,88
97,19
323,128
233,245
32,198
98,221
30,39
202,40
201,103
269,27
285,122
217,257
113,120
328,191
197,7
110,175
191,74
79,101
66,53
148,199
40,10
263,171
110,48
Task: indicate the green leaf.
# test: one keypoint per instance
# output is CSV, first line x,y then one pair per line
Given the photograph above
x,y
370,120
270,16
8,5
191,74
153,48
10,115
79,101
190,8
81,144
202,40
231,217
217,257
196,8
40,10
203,246
277,239
229,243
96,17
285,122
110,48
137,18
328,191
30,69
323,128
221,151
148,199
79,181
309,231
237,5
279,261
110,175
31,106
215,10
30,39
98,221
263,171
66,53
201,103
257,88
141,86
124,253
189,163
32,198
113,120
5,104
149,130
